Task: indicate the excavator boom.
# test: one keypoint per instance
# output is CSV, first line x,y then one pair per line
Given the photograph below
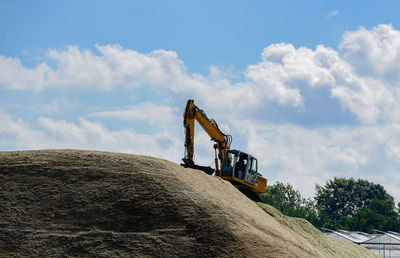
x,y
222,141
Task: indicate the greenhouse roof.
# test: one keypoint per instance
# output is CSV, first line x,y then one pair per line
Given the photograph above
x,y
362,237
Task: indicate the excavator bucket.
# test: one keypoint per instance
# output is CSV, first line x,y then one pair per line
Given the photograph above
x,y
190,164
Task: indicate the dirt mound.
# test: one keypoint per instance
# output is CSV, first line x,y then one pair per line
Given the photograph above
x,y
86,203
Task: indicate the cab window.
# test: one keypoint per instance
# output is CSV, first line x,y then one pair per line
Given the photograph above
x,y
253,167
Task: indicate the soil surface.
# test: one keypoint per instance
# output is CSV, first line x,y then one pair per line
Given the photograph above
x,y
87,203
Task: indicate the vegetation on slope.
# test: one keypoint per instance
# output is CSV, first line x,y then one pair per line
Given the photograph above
x,y
331,246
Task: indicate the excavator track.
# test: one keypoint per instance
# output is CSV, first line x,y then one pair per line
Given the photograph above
x,y
250,194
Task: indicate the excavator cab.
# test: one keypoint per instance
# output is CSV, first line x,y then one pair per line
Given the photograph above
x,y
241,168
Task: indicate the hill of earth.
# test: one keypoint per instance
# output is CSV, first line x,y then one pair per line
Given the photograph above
x,y
88,203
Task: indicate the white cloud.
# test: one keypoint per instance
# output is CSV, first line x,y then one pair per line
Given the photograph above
x,y
57,105
372,90
82,69
93,135
15,134
115,67
85,135
13,75
333,13
284,70
336,12
304,157
374,52
152,113
362,75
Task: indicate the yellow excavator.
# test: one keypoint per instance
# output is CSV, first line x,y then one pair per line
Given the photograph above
x,y
238,167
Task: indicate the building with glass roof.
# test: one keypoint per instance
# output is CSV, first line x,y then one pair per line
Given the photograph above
x,y
385,244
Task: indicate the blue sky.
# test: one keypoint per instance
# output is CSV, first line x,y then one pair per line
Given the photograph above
x,y
309,87
203,33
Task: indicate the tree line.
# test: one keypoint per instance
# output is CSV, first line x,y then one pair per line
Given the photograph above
x,y
342,203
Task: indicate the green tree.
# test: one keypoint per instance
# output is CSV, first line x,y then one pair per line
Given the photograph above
x,y
345,203
290,202
398,208
380,214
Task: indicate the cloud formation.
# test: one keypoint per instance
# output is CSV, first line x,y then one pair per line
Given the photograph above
x,y
156,115
362,75
290,152
78,69
360,78
85,134
332,13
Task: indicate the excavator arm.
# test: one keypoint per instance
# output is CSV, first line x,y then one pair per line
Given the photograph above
x,y
222,141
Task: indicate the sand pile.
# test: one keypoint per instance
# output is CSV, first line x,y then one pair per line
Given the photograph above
x,y
86,203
